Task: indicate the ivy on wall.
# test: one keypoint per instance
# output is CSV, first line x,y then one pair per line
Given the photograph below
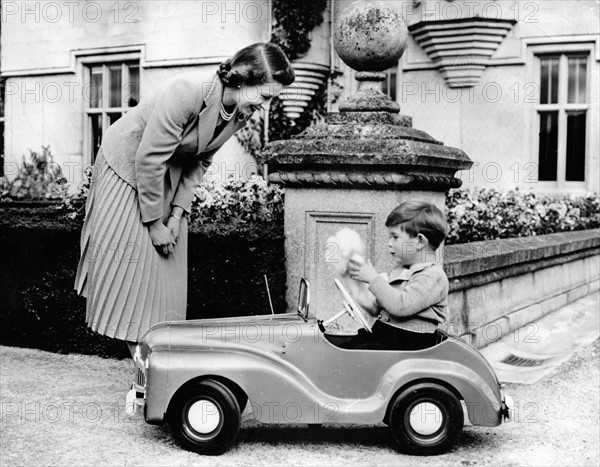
x,y
292,23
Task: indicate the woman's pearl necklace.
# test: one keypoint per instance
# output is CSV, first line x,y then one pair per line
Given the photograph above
x,y
224,115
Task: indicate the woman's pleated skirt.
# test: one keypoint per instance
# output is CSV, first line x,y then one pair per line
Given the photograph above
x,y
128,284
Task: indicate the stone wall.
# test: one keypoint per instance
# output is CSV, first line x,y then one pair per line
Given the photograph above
x,y
501,285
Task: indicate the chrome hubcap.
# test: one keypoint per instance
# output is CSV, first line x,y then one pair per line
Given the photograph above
x,y
426,418
204,416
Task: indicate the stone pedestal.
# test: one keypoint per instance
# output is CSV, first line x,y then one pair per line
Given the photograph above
x,y
351,172
354,168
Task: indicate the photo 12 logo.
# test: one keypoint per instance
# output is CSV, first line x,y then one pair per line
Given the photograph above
x,y
418,10
484,93
70,12
234,11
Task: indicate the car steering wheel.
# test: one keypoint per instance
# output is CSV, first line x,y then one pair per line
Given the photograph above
x,y
355,311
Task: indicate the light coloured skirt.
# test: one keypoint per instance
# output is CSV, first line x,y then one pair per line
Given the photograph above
x,y
129,286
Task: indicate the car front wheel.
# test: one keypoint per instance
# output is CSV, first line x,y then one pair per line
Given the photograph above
x,y
426,419
205,418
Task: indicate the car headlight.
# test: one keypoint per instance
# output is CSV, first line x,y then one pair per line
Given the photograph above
x,y
137,356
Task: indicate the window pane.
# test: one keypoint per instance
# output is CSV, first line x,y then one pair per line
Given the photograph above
x,y
115,74
96,87
385,84
388,86
548,146
577,80
549,77
96,121
132,88
393,83
576,146
113,117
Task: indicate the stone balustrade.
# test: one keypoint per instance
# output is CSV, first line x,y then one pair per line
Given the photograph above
x,y
498,286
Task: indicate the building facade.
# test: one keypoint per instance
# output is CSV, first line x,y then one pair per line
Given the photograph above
x,y
70,69
512,83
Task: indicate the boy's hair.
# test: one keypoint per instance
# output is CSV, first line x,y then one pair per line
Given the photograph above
x,y
420,217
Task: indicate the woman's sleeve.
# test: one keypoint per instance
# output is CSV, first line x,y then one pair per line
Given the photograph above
x,y
191,177
163,133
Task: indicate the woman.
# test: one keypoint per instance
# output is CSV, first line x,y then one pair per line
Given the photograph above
x,y
133,265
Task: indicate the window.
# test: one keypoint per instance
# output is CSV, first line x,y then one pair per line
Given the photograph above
x,y
562,114
389,84
113,89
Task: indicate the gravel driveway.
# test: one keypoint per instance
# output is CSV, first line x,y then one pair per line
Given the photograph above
x,y
69,410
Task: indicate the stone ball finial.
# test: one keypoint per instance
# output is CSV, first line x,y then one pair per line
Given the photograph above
x,y
370,36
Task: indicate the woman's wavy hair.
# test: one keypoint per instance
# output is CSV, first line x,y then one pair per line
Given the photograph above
x,y
257,64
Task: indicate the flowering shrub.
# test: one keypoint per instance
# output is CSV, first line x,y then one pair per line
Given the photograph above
x,y
487,213
253,207
40,178
74,203
4,188
237,202
231,204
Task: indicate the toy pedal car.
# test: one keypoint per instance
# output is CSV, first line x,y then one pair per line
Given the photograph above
x,y
199,376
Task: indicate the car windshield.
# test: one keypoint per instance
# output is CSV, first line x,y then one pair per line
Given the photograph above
x,y
303,299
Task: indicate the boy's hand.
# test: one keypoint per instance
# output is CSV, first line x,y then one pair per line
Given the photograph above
x,y
359,270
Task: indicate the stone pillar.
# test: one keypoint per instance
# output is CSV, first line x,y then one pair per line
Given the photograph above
x,y
354,168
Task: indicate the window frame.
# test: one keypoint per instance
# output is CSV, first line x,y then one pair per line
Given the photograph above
x,y
105,60
563,51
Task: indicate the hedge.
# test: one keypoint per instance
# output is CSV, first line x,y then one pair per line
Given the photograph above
x,y
488,214
37,271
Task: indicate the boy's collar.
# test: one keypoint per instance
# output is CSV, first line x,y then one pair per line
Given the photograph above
x,y
403,273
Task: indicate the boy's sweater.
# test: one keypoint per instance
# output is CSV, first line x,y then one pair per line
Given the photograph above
x,y
415,298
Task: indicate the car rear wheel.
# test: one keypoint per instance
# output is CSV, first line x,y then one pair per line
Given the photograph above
x,y
205,418
426,419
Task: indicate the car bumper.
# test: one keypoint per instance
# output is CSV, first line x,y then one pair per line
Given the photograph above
x,y
136,396
134,400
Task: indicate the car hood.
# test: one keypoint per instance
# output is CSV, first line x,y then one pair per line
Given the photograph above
x,y
199,332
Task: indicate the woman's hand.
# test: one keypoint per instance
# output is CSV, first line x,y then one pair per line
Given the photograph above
x,y
161,236
174,222
174,225
361,271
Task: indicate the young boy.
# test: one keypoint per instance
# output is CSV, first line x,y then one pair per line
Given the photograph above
x,y
413,301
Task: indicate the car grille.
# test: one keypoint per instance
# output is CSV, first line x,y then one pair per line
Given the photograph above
x,y
140,377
